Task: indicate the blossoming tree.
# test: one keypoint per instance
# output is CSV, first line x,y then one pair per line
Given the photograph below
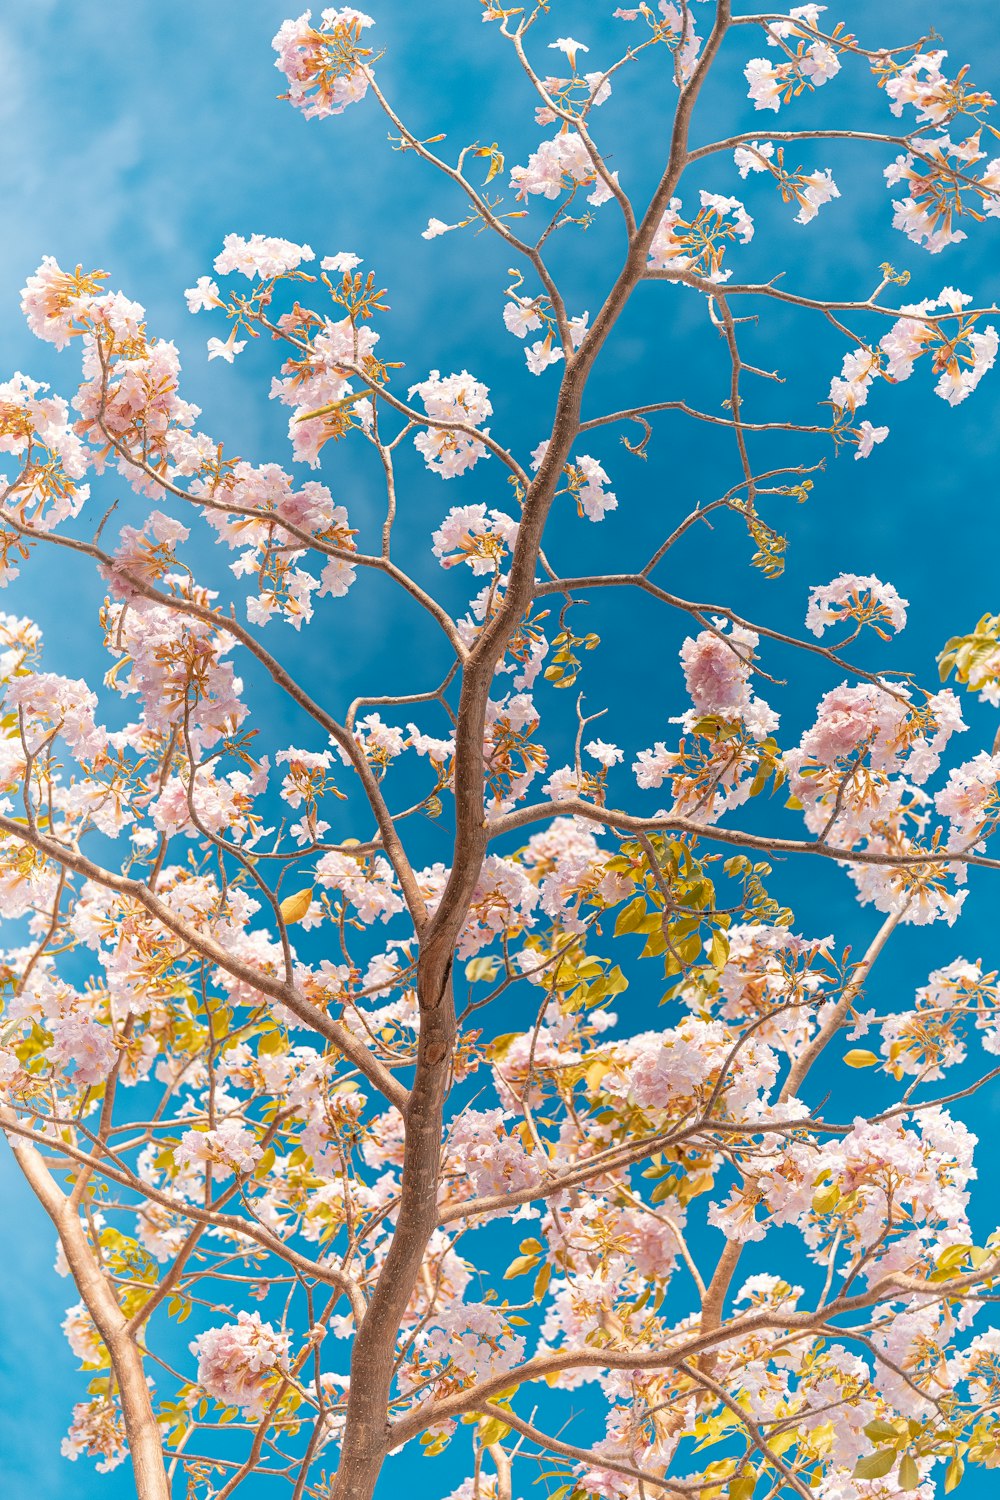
x,y
371,1125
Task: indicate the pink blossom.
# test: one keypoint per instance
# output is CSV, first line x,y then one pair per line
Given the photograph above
x,y
471,535
452,399
587,481
438,750
922,85
850,597
237,1363
849,390
969,799
541,354
56,302
88,1046
765,84
753,157
98,1431
850,716
653,766
717,670
83,1337
570,46
261,255
731,208
343,261
818,188
558,164
490,1157
48,701
203,295
868,436
366,883
230,1147
608,755
520,316
228,350
325,66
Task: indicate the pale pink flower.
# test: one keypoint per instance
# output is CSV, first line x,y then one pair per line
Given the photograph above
x,y
608,755
343,261
541,354
570,46
237,1363
203,295
261,255
230,1147
473,535
868,437
228,350
97,1430
456,399
326,67
850,597
520,316
89,1046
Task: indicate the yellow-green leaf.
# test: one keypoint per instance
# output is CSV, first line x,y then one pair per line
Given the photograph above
x,y
630,917
492,1430
881,1429
482,969
875,1465
719,950
909,1474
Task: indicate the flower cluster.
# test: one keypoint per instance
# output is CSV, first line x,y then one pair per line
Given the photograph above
x,y
674,27
699,244
561,165
809,190
326,67
962,354
866,601
809,60
455,404
238,1362
469,534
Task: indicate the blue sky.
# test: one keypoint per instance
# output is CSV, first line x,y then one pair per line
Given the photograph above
x,y
137,143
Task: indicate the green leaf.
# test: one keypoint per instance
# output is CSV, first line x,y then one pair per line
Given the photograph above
x,y
719,951
492,1430
875,1465
909,1474
878,1430
823,1203
953,1475
630,916
482,969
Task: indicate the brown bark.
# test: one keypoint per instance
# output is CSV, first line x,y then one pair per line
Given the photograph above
x,y
141,1427
367,1425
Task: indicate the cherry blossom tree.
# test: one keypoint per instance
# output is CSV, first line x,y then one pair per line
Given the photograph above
x,y
349,1152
